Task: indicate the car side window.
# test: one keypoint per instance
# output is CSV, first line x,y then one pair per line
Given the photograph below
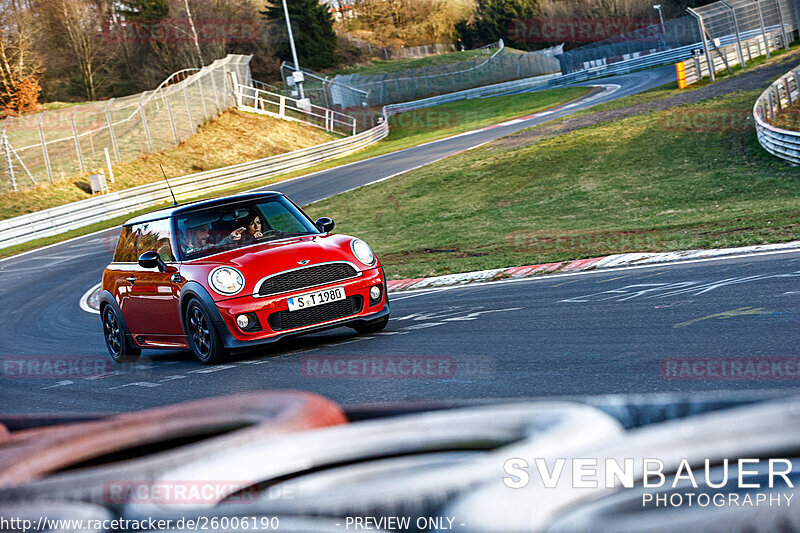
x,y
155,237
127,245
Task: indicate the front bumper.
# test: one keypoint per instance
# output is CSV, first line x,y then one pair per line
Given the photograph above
x,y
235,338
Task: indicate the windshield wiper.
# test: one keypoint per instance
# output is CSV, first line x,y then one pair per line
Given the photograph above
x,y
278,234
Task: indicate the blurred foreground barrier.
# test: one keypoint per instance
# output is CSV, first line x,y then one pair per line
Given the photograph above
x,y
81,459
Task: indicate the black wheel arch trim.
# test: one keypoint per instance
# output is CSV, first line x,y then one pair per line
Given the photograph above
x,y
106,298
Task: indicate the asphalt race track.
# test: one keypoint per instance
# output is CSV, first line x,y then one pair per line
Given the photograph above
x,y
617,331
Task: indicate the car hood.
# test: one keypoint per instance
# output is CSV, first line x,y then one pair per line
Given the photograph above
x,y
260,260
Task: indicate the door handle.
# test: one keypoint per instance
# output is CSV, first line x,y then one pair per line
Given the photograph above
x,y
130,280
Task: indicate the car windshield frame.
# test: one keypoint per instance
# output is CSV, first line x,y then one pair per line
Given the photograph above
x,y
217,213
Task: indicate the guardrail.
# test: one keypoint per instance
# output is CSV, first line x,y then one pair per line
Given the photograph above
x,y
284,107
83,213
655,59
785,91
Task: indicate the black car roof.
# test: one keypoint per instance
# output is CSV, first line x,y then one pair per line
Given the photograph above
x,y
201,204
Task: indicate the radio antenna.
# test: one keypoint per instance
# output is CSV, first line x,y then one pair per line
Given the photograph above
x,y
174,201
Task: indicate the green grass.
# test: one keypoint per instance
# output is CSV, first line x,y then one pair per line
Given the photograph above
x,y
418,127
437,122
595,191
379,66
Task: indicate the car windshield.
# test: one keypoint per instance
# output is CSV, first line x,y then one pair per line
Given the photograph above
x,y
208,231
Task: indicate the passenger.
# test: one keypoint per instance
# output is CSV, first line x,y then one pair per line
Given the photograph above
x,y
253,224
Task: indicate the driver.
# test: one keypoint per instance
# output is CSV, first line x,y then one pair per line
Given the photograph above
x,y
198,238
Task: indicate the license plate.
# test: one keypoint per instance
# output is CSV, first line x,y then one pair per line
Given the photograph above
x,y
315,298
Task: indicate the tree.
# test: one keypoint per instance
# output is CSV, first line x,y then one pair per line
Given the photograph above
x,y
312,25
76,25
411,22
143,10
492,20
20,65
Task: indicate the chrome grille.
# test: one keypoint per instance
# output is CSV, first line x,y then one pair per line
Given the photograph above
x,y
302,278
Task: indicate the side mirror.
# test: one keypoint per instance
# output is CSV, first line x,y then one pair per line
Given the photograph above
x,y
325,224
152,260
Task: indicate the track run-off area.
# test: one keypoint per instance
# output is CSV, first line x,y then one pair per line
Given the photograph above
x,y
628,330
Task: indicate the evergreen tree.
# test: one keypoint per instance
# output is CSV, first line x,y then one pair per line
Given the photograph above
x,y
312,25
493,19
143,10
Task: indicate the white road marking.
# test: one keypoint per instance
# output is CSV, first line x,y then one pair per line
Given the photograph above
x,y
145,384
664,290
211,369
59,384
172,378
84,301
611,270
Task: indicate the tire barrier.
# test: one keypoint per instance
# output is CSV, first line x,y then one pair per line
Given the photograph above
x,y
761,430
77,461
60,517
376,465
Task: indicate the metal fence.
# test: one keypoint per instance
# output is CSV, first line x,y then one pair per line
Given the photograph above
x,y
399,52
740,19
354,90
58,144
695,69
416,83
257,100
781,94
643,41
706,28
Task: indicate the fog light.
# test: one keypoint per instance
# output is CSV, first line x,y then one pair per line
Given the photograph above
x,y
375,293
243,321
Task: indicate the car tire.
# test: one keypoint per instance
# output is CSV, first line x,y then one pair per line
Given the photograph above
x,y
373,327
116,338
204,340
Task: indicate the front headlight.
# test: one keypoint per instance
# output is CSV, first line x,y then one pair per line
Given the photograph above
x,y
363,252
226,280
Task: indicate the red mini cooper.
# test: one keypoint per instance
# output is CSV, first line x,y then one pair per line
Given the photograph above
x,y
232,273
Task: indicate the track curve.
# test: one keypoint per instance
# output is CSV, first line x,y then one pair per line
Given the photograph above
x,y
602,332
